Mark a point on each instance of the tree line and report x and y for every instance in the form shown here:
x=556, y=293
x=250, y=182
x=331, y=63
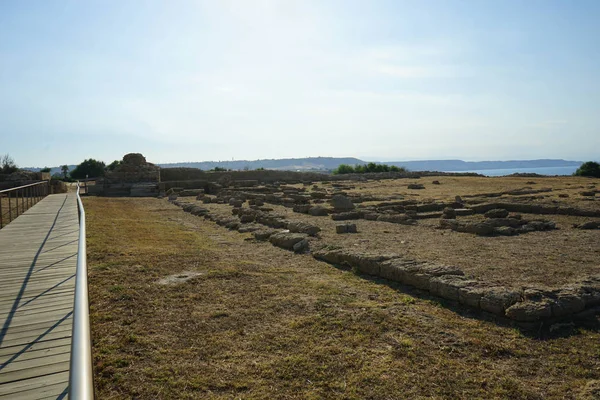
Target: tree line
x=366, y=168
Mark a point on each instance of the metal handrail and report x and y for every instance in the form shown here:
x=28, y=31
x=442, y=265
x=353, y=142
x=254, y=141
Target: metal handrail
x=22, y=187
x=81, y=380
x=26, y=195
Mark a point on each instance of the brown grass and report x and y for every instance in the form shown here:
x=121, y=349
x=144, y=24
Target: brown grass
x=261, y=322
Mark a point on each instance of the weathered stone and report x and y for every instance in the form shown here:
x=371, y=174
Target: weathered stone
x=287, y=240
x=341, y=203
x=264, y=234
x=246, y=228
x=346, y=216
x=589, y=225
x=435, y=182
x=471, y=295
x=303, y=227
x=532, y=226
x=402, y=219
x=301, y=246
x=530, y=310
x=196, y=210
x=416, y=186
x=246, y=218
x=496, y=213
x=511, y=222
x=371, y=216
x=567, y=303
x=498, y=299
x=341, y=228
x=318, y=211
x=345, y=228
x=505, y=231
x=233, y=225
x=449, y=213
x=302, y=208
x=447, y=286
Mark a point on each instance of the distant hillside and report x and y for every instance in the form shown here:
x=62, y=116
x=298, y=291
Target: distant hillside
x=459, y=165
x=288, y=164
x=330, y=163
x=325, y=164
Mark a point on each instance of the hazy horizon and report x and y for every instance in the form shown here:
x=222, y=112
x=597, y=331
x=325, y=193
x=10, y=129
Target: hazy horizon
x=268, y=79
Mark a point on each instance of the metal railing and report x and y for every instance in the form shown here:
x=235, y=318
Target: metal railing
x=15, y=201
x=81, y=380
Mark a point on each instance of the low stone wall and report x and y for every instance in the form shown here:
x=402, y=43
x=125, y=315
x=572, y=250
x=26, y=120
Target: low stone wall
x=535, y=209
x=521, y=305
x=527, y=306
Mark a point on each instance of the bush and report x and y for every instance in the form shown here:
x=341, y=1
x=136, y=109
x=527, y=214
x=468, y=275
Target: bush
x=88, y=168
x=590, y=168
x=45, y=169
x=367, y=168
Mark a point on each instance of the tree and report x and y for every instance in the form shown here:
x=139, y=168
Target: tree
x=113, y=165
x=88, y=168
x=65, y=170
x=46, y=169
x=8, y=164
x=590, y=168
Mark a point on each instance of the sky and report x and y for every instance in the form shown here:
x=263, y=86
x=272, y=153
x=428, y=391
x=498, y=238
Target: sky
x=223, y=79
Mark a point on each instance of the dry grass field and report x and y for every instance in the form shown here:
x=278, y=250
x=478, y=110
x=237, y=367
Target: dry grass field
x=257, y=321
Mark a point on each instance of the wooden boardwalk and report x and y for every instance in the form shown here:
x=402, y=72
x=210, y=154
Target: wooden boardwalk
x=38, y=257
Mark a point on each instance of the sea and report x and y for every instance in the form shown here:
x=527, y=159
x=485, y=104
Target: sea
x=541, y=170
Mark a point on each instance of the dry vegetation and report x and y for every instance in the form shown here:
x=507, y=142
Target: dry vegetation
x=262, y=322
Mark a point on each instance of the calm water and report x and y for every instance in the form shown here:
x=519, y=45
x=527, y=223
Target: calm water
x=541, y=171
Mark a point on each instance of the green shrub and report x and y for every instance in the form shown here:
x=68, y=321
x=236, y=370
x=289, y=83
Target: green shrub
x=590, y=168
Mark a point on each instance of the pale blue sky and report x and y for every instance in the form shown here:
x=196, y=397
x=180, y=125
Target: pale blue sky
x=215, y=80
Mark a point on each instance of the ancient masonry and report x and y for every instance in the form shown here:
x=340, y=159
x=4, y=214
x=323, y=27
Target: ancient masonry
x=526, y=306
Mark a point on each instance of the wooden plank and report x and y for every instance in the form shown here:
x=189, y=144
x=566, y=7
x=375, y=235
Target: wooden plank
x=32, y=384
x=42, y=392
x=12, y=350
x=34, y=354
x=38, y=256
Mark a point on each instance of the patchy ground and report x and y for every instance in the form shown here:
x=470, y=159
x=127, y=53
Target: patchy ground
x=262, y=322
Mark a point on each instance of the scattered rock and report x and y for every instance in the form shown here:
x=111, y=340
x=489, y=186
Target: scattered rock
x=264, y=234
x=416, y=186
x=289, y=240
x=302, y=227
x=402, y=219
x=589, y=225
x=496, y=213
x=346, y=215
x=318, y=211
x=345, y=228
x=435, y=182
x=341, y=203
x=449, y=213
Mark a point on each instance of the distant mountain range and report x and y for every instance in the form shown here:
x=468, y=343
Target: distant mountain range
x=330, y=163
